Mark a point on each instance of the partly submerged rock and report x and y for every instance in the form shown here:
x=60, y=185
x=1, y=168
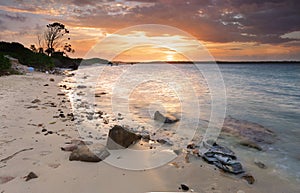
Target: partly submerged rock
x=164, y=119
x=250, y=134
x=260, y=165
x=120, y=138
x=92, y=153
x=250, y=144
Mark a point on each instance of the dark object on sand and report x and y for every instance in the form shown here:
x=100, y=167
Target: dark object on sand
x=249, y=178
x=223, y=158
x=165, y=119
x=184, y=187
x=90, y=153
x=260, y=165
x=30, y=176
x=120, y=138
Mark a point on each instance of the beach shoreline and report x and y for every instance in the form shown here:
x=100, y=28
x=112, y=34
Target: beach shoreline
x=31, y=120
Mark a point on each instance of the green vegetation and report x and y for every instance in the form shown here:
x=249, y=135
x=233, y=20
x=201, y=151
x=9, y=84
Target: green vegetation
x=4, y=63
x=25, y=56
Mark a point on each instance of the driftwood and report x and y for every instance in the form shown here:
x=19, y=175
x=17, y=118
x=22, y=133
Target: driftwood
x=13, y=155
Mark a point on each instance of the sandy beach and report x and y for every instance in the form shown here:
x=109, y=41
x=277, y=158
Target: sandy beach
x=32, y=132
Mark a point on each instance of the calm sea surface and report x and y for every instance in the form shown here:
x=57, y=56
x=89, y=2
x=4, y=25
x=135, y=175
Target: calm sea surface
x=267, y=94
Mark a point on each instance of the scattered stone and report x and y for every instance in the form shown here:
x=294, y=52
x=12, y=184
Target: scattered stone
x=61, y=94
x=105, y=120
x=30, y=176
x=46, y=84
x=260, y=165
x=81, y=86
x=165, y=141
x=119, y=138
x=44, y=130
x=50, y=132
x=62, y=115
x=36, y=101
x=184, y=187
x=89, y=153
x=165, y=119
x=52, y=79
x=32, y=107
x=54, y=165
x=191, y=146
x=249, y=178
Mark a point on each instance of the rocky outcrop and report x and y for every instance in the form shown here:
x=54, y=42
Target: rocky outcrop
x=120, y=138
x=249, y=134
x=164, y=119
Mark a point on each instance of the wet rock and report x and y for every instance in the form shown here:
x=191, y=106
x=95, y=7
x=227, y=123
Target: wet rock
x=260, y=165
x=93, y=153
x=249, y=178
x=184, y=187
x=81, y=86
x=30, y=176
x=164, y=119
x=119, y=138
x=165, y=141
x=36, y=101
x=253, y=134
x=250, y=144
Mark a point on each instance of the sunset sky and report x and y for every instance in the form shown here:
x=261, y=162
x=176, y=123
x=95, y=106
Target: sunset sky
x=229, y=29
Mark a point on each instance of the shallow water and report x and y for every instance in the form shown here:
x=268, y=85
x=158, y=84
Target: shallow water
x=267, y=94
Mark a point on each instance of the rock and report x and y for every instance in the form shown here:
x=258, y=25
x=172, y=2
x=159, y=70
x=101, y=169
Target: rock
x=249, y=178
x=184, y=187
x=93, y=153
x=52, y=79
x=256, y=134
x=44, y=130
x=260, y=165
x=165, y=119
x=166, y=141
x=30, y=176
x=70, y=147
x=119, y=138
x=46, y=84
x=36, y=101
x=250, y=144
x=81, y=86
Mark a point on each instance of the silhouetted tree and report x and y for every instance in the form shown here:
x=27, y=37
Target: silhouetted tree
x=54, y=37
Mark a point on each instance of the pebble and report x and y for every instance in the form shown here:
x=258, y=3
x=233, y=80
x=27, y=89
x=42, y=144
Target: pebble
x=184, y=187
x=30, y=176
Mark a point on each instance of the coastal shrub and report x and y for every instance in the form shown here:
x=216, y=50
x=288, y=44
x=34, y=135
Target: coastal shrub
x=26, y=56
x=4, y=63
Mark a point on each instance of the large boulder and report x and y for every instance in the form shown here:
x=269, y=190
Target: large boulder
x=91, y=153
x=120, y=138
x=164, y=119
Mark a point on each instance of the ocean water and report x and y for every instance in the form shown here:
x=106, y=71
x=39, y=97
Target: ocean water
x=267, y=94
